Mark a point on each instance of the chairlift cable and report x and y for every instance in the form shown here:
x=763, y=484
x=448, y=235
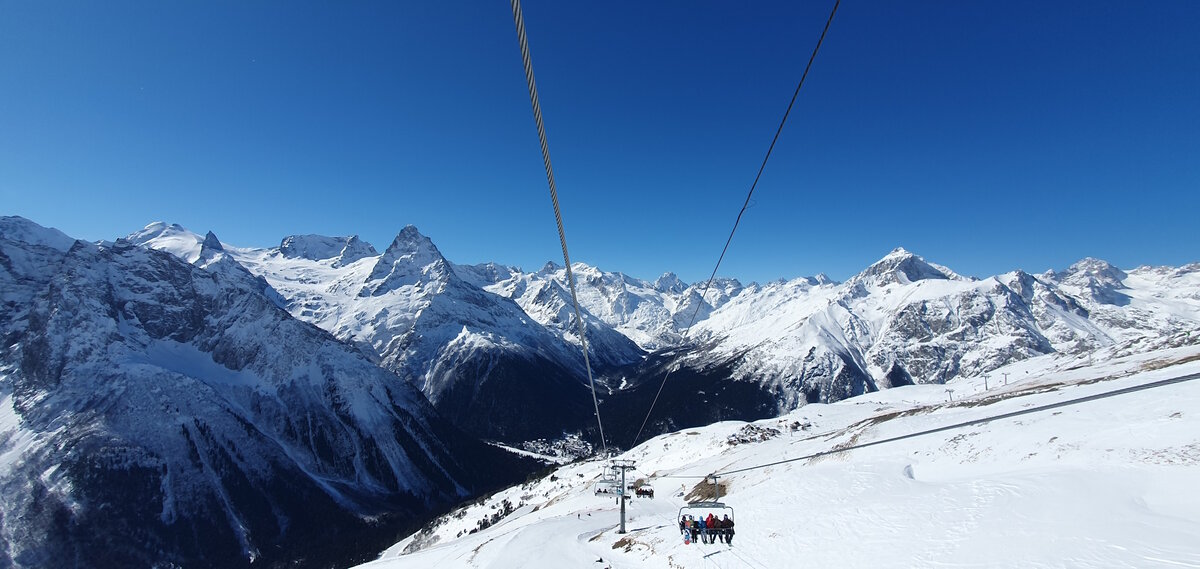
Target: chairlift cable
x=519, y=20
x=742, y=212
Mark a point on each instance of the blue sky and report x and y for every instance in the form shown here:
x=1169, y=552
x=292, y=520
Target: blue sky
x=985, y=136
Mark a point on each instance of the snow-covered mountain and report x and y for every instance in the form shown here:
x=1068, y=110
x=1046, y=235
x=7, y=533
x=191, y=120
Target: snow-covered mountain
x=481, y=360
x=159, y=413
x=1107, y=482
x=903, y=320
x=225, y=394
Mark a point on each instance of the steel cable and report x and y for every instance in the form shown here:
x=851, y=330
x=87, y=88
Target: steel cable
x=519, y=19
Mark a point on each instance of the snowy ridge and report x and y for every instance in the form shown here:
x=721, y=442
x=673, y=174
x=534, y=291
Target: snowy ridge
x=903, y=320
x=1105, y=483
x=20, y=229
x=343, y=250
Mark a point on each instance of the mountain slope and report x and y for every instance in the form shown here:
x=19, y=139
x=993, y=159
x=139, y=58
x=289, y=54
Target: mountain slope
x=1103, y=483
x=155, y=412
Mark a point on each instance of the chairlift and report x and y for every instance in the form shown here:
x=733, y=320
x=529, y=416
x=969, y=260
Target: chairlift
x=608, y=484
x=690, y=516
x=606, y=487
x=693, y=514
x=641, y=490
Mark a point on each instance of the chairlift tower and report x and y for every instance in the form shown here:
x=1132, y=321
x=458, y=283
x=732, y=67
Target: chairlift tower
x=623, y=466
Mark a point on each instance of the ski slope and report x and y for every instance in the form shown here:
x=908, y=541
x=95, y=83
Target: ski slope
x=1105, y=483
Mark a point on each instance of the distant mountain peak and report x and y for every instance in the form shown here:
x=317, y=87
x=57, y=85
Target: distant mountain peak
x=1098, y=269
x=901, y=266
x=410, y=241
x=343, y=250
x=158, y=229
x=211, y=243
x=411, y=258
x=172, y=238
x=670, y=282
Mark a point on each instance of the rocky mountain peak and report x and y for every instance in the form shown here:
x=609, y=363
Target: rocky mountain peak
x=670, y=282
x=1098, y=280
x=900, y=266
x=1100, y=270
x=211, y=244
x=411, y=258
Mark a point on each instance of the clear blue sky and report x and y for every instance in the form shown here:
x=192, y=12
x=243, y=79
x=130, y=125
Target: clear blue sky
x=986, y=136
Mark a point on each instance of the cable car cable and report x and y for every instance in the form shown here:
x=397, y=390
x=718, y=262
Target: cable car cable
x=745, y=205
x=519, y=20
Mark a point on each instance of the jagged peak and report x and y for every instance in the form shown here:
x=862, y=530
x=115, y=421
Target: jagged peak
x=550, y=267
x=670, y=282
x=411, y=258
x=409, y=241
x=211, y=243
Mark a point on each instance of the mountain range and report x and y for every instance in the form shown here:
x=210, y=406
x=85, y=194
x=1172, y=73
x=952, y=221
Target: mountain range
x=471, y=334
x=229, y=405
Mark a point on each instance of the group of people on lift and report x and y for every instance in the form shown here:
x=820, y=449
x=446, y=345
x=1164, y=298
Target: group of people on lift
x=639, y=491
x=643, y=491
x=708, y=529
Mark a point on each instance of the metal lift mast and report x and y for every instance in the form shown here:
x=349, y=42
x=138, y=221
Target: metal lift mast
x=623, y=466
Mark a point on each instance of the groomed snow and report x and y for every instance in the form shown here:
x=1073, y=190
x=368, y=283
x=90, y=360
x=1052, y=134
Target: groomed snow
x=1105, y=483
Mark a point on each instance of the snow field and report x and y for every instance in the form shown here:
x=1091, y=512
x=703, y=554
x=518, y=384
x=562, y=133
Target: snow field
x=1105, y=483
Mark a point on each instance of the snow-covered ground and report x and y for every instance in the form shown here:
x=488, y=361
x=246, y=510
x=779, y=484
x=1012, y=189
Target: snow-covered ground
x=1111, y=482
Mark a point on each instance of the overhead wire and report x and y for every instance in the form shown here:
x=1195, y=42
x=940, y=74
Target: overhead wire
x=742, y=212
x=527, y=60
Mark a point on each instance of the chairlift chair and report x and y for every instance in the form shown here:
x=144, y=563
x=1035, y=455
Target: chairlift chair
x=605, y=487
x=642, y=491
x=701, y=510
x=608, y=485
